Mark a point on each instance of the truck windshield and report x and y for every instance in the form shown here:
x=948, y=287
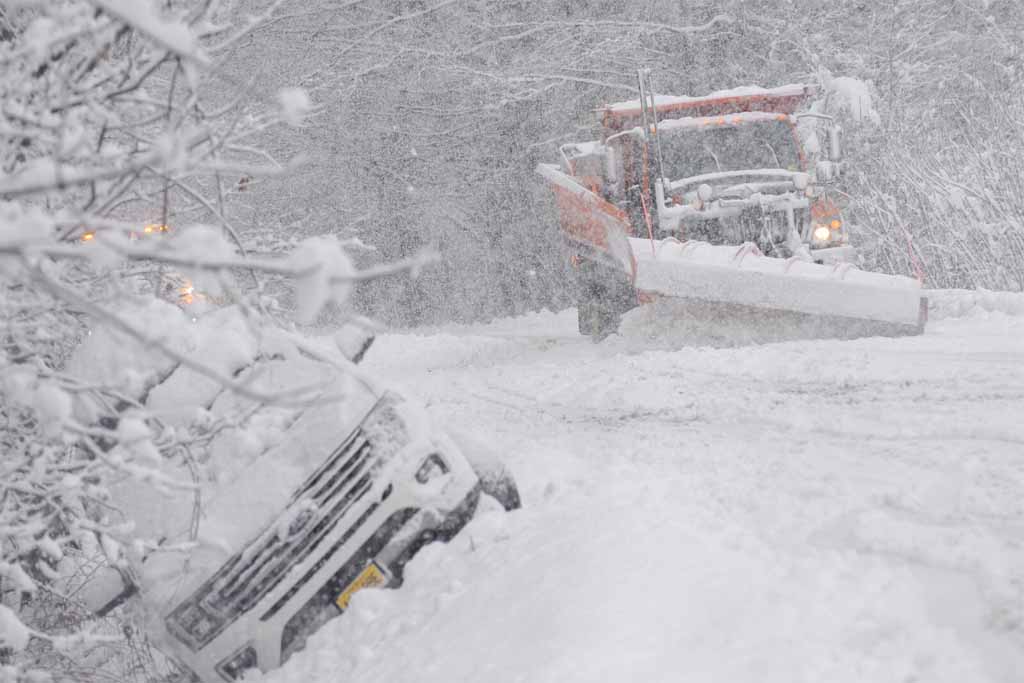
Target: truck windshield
x=714, y=149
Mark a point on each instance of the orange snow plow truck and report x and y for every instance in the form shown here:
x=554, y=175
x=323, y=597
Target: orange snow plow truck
x=726, y=207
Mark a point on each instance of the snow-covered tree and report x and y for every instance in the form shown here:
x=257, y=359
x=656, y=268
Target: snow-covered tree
x=440, y=112
x=435, y=116
x=123, y=143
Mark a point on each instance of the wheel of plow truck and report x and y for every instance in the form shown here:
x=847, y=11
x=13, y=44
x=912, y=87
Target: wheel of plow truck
x=597, y=320
x=604, y=295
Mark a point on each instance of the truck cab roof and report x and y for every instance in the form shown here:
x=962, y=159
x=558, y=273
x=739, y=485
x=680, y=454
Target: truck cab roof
x=786, y=99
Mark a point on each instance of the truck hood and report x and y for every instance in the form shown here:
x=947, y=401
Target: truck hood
x=744, y=183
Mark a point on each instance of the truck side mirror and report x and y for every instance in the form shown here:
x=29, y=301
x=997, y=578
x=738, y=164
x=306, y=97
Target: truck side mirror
x=826, y=171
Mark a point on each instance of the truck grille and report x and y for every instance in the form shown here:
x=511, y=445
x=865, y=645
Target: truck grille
x=755, y=225
x=766, y=229
x=314, y=510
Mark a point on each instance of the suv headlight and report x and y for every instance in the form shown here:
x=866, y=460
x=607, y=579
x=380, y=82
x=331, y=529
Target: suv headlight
x=194, y=625
x=384, y=427
x=232, y=668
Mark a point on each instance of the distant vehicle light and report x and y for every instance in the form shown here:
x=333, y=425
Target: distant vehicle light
x=822, y=234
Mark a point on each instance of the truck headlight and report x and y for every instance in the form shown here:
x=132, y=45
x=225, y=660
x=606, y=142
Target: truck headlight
x=384, y=427
x=822, y=233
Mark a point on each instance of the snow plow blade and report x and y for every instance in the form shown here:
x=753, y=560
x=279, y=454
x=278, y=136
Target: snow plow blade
x=735, y=288
x=797, y=298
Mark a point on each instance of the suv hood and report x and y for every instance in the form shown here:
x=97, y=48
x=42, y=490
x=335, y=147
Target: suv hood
x=242, y=458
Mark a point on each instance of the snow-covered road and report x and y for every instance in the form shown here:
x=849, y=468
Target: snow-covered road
x=809, y=511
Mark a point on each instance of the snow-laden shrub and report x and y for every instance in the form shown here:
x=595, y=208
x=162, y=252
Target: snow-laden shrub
x=121, y=149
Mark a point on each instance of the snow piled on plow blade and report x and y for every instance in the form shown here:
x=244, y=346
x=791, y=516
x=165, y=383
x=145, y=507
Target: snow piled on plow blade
x=774, y=298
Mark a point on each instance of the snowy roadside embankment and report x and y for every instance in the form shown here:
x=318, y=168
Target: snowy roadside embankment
x=804, y=511
x=961, y=303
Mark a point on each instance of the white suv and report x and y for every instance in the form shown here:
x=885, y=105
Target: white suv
x=353, y=486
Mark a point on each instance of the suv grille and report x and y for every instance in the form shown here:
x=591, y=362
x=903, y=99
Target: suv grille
x=260, y=567
x=312, y=513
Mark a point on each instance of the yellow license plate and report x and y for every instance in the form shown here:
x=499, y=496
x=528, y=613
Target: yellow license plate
x=368, y=578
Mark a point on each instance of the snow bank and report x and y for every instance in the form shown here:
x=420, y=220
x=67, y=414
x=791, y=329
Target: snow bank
x=533, y=325
x=961, y=303
x=799, y=512
x=13, y=634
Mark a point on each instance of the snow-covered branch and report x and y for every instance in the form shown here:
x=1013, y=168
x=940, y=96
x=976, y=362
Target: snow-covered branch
x=120, y=145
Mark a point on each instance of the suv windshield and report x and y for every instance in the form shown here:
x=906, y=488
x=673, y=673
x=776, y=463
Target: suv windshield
x=714, y=149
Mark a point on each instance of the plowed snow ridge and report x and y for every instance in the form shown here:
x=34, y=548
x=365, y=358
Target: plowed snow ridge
x=804, y=511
